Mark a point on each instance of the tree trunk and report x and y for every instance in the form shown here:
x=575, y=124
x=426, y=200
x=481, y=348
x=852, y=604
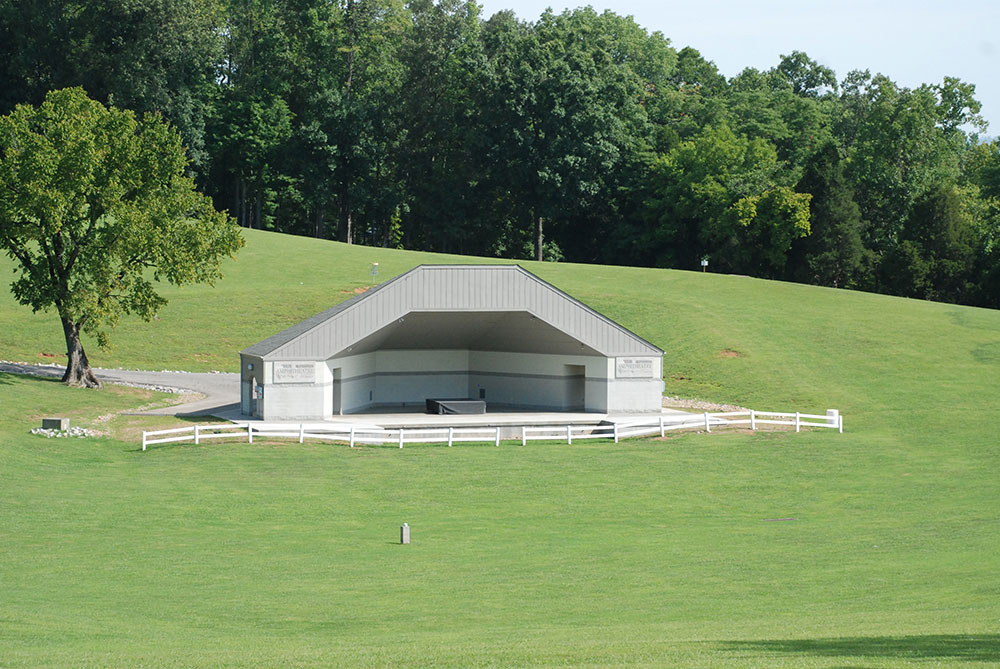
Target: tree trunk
x=539, y=238
x=346, y=233
x=318, y=224
x=78, y=371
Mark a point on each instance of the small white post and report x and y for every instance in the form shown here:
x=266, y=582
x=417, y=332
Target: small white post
x=302, y=433
x=400, y=437
x=616, y=432
x=662, y=431
x=249, y=433
x=797, y=421
x=498, y=436
x=842, y=423
x=451, y=434
x=524, y=436
x=753, y=419
x=195, y=435
x=352, y=436
x=708, y=428
x=404, y=534
x=569, y=435
x=144, y=440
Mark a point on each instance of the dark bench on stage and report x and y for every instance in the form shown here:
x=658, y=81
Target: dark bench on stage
x=456, y=406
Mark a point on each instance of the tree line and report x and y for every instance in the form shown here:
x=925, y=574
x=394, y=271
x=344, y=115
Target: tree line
x=579, y=136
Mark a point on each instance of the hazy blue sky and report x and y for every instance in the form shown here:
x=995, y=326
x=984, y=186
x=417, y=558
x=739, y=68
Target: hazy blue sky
x=910, y=42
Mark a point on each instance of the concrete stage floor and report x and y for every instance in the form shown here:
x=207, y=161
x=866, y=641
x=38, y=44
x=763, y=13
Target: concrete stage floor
x=396, y=418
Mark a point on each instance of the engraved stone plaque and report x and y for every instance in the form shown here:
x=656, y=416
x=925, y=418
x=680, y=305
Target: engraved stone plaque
x=294, y=372
x=635, y=368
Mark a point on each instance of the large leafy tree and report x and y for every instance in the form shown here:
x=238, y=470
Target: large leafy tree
x=560, y=109
x=833, y=253
x=94, y=207
x=146, y=55
x=723, y=195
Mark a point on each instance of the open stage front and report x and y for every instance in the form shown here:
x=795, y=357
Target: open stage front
x=396, y=418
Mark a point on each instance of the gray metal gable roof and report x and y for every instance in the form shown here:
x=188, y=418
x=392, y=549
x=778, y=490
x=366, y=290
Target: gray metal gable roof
x=452, y=288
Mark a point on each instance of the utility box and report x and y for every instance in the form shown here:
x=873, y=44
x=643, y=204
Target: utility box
x=55, y=423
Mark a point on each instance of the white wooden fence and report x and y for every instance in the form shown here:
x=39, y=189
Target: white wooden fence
x=353, y=435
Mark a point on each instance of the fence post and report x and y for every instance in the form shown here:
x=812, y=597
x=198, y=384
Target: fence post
x=841, y=423
x=352, y=436
x=451, y=434
x=302, y=433
x=616, y=432
x=249, y=433
x=524, y=436
x=400, y=437
x=569, y=435
x=708, y=428
x=498, y=435
x=662, y=431
x=196, y=435
x=143, y=440
x=796, y=421
x=753, y=419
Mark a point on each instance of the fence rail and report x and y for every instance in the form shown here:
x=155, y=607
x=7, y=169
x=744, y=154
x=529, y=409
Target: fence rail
x=354, y=435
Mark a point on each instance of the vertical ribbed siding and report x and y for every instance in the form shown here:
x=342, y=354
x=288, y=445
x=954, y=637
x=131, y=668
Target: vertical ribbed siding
x=462, y=288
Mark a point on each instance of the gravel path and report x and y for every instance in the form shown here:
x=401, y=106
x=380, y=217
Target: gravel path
x=218, y=392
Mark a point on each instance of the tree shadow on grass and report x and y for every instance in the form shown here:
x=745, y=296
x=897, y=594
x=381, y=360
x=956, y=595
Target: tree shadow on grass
x=958, y=647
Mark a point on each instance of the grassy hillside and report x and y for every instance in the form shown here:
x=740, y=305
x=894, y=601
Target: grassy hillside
x=647, y=553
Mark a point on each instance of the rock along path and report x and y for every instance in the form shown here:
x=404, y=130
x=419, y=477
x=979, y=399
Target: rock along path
x=221, y=391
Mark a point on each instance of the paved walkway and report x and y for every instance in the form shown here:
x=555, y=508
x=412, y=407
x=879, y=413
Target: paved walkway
x=220, y=393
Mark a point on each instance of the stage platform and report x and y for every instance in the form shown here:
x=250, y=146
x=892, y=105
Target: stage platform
x=393, y=418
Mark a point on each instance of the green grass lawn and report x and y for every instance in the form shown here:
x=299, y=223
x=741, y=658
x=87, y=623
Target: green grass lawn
x=646, y=553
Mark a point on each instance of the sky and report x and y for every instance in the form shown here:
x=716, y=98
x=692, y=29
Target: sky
x=912, y=43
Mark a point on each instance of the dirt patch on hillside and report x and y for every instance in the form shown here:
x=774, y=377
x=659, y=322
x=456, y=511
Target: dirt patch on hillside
x=730, y=353
x=356, y=291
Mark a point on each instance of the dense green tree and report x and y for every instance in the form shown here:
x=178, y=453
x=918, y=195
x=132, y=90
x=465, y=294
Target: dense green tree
x=441, y=151
x=94, y=203
x=559, y=109
x=935, y=255
x=722, y=195
x=900, y=144
x=833, y=253
x=145, y=55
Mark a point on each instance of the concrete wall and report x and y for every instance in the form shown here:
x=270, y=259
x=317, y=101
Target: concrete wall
x=355, y=382
x=535, y=381
x=410, y=377
x=294, y=391
x=628, y=394
x=311, y=390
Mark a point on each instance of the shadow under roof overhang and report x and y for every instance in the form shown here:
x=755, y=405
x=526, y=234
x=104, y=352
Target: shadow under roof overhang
x=504, y=331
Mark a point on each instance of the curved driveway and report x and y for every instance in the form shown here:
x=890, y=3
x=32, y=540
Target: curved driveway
x=221, y=391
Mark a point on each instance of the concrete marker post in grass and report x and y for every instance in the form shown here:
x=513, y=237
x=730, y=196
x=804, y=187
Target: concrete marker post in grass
x=404, y=534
